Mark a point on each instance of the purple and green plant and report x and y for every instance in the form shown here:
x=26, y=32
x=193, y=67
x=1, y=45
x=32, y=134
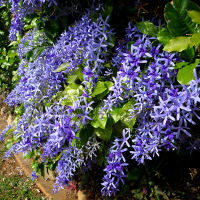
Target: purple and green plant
x=83, y=92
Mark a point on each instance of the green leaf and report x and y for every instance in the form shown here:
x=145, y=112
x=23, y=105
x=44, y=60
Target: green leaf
x=128, y=120
x=14, y=43
x=41, y=167
x=72, y=78
x=19, y=110
x=99, y=121
x=100, y=88
x=195, y=40
x=116, y=114
x=62, y=67
x=85, y=134
x=177, y=19
x=35, y=166
x=185, y=75
x=147, y=28
x=108, y=65
x=12, y=54
x=177, y=44
x=108, y=84
x=164, y=36
x=105, y=134
x=70, y=93
x=37, y=51
x=108, y=8
x=180, y=65
x=29, y=55
x=194, y=15
x=80, y=72
x=2, y=61
x=188, y=54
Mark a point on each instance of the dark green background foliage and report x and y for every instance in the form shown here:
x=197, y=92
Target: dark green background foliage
x=8, y=56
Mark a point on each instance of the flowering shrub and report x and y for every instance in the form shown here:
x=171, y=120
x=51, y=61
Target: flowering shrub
x=78, y=96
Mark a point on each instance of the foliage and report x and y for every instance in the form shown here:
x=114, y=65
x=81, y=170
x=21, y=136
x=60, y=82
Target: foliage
x=84, y=97
x=182, y=33
x=8, y=56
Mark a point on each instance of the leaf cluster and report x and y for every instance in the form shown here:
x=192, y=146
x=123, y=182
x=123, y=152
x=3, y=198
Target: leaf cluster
x=181, y=34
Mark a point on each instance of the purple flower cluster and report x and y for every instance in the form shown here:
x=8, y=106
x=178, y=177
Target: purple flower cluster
x=83, y=44
x=71, y=160
x=116, y=165
x=19, y=10
x=51, y=126
x=163, y=108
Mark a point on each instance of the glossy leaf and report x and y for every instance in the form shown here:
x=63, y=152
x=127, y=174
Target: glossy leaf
x=105, y=134
x=72, y=78
x=177, y=19
x=195, y=16
x=70, y=93
x=99, y=121
x=180, y=65
x=147, y=28
x=126, y=119
x=188, y=54
x=177, y=44
x=164, y=36
x=195, y=39
x=116, y=114
x=100, y=88
x=185, y=75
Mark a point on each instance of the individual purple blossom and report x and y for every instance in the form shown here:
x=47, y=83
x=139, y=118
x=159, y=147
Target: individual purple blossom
x=34, y=176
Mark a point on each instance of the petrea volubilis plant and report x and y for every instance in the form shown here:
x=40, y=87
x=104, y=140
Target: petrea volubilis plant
x=80, y=101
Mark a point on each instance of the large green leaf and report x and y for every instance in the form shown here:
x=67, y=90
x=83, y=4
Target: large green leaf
x=188, y=54
x=178, y=21
x=164, y=36
x=72, y=78
x=105, y=134
x=116, y=114
x=102, y=88
x=195, y=39
x=147, y=28
x=99, y=121
x=177, y=44
x=180, y=65
x=185, y=75
x=195, y=16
